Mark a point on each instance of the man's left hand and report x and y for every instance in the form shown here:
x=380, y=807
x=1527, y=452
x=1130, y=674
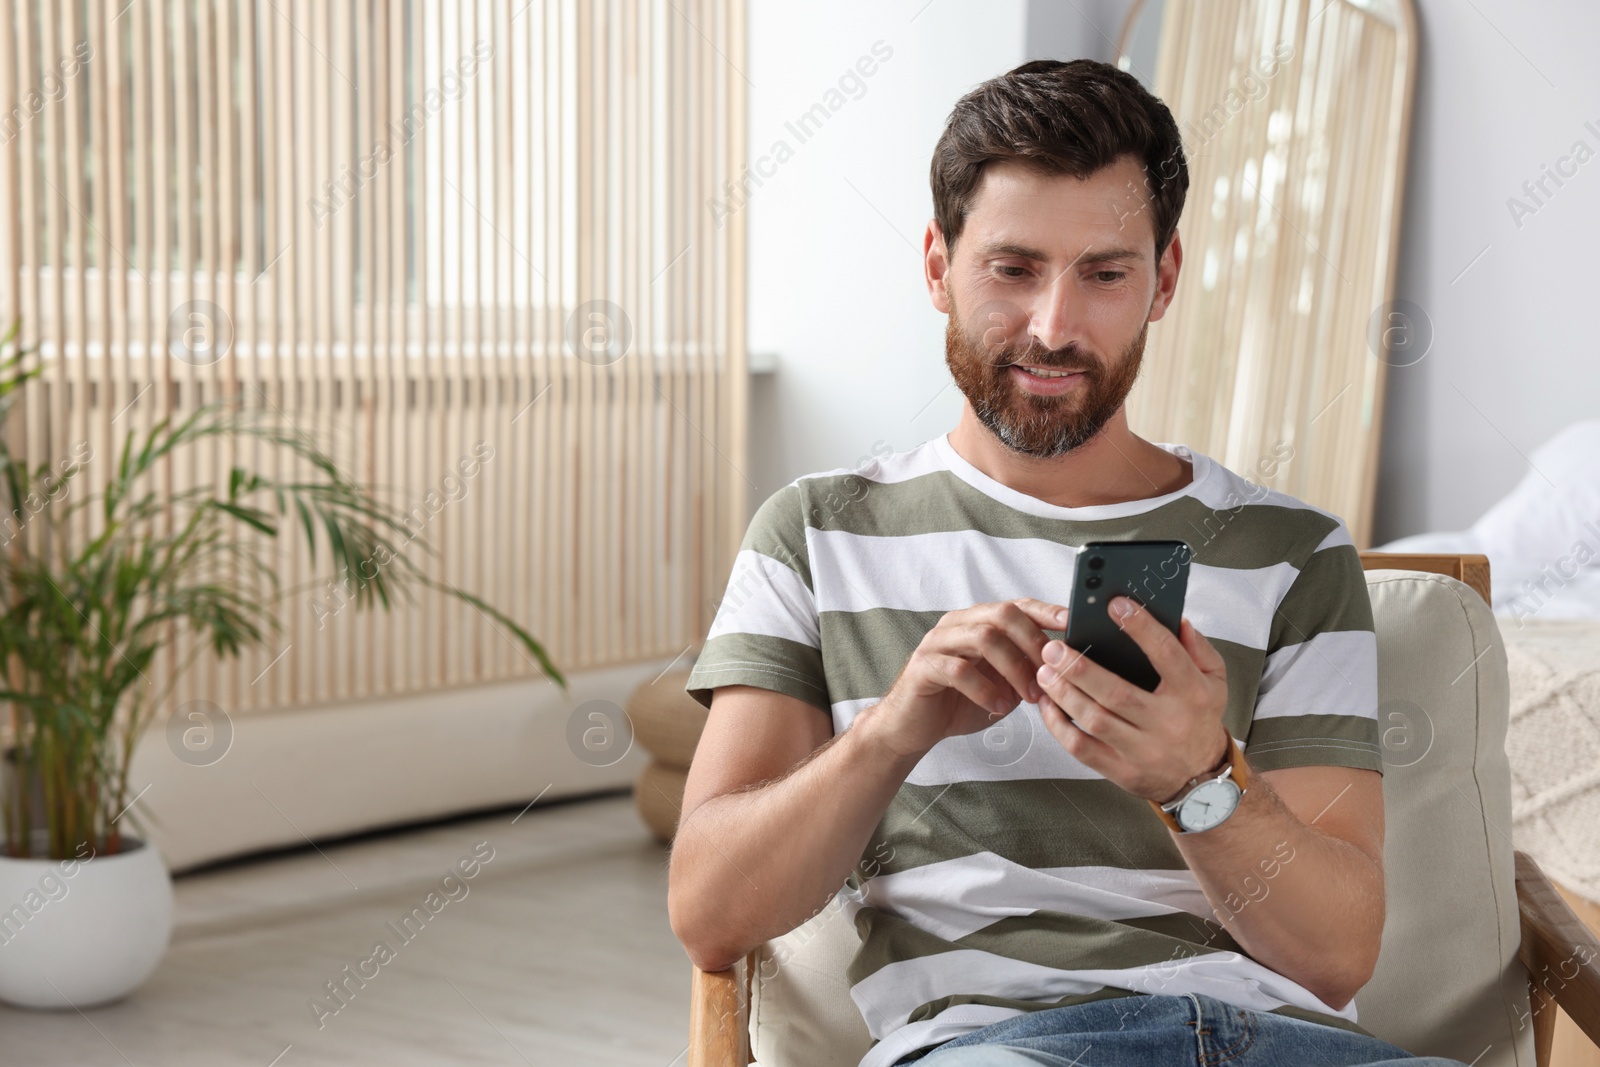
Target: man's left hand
x=1149, y=743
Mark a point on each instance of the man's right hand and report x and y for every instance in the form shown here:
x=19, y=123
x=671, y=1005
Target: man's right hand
x=970, y=670
x=769, y=767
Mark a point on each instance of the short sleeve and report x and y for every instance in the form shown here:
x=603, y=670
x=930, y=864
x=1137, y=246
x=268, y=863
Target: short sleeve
x=1318, y=698
x=766, y=631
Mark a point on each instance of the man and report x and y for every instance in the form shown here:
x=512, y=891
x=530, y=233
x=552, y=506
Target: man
x=891, y=704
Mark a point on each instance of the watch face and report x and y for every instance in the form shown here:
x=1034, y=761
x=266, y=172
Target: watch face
x=1209, y=804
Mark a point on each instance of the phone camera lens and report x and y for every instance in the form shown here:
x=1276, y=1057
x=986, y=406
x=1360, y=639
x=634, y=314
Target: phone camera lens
x=1096, y=562
x=1093, y=581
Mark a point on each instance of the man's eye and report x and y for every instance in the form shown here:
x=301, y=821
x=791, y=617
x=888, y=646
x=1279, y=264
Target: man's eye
x=1020, y=271
x=1114, y=275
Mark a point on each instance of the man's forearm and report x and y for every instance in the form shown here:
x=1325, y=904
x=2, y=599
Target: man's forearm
x=753, y=864
x=1304, y=903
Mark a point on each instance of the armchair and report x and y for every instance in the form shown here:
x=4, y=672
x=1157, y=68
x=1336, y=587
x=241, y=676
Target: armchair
x=1479, y=947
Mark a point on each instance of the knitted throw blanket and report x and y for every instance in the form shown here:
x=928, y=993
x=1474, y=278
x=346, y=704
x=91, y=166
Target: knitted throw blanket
x=1554, y=746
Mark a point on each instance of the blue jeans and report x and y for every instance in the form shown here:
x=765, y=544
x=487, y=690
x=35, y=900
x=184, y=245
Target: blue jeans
x=1162, y=1030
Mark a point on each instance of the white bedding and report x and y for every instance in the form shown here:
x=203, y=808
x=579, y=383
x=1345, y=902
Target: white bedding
x=1542, y=538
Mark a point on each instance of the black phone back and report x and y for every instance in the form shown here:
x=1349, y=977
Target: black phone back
x=1155, y=573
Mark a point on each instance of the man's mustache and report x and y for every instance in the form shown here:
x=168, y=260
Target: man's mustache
x=1047, y=360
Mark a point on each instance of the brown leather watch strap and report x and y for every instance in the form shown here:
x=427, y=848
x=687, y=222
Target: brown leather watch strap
x=1240, y=776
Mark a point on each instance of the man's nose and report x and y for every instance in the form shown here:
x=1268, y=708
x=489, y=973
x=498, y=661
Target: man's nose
x=1056, y=318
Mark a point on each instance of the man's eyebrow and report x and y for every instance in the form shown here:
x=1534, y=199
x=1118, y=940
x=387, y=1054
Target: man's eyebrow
x=1024, y=252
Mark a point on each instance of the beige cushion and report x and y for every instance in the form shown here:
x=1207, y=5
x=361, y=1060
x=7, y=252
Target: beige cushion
x=800, y=1007
x=1448, y=983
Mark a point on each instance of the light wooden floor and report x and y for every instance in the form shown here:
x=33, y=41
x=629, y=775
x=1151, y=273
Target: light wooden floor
x=559, y=953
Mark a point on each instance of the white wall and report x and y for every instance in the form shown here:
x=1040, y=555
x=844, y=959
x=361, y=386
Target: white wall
x=835, y=273
x=1503, y=89
x=835, y=234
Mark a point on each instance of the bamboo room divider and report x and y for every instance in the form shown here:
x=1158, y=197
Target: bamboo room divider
x=1295, y=117
x=425, y=233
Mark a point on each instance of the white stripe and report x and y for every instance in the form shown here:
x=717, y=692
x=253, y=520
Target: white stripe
x=955, y=897
x=845, y=712
x=1334, y=673
x=935, y=571
x=1224, y=494
x=1339, y=535
x=1230, y=489
x=953, y=570
x=766, y=597
x=895, y=467
x=1205, y=469
x=889, y=995
x=953, y=1022
x=1016, y=747
x=1009, y=750
x=1237, y=603
x=904, y=466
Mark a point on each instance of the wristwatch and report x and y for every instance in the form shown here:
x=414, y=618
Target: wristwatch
x=1207, y=800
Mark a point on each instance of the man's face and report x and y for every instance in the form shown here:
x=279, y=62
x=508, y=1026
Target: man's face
x=1051, y=292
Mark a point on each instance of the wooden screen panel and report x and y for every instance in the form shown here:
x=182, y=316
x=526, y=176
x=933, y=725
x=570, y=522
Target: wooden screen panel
x=424, y=227
x=1295, y=117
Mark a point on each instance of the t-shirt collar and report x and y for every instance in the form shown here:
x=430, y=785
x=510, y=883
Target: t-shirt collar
x=1034, y=506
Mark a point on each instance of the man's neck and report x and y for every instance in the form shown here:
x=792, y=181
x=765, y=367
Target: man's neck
x=1113, y=467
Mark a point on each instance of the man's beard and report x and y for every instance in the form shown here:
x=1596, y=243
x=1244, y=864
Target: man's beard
x=1028, y=423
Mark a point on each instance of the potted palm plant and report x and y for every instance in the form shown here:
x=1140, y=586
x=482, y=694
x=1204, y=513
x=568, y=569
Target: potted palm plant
x=85, y=906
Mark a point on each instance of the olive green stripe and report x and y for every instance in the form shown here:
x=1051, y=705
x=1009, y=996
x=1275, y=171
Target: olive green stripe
x=778, y=531
x=1034, y=822
x=1058, y=940
x=1258, y=535
x=1330, y=593
x=761, y=660
x=1285, y=730
x=1309, y=1016
x=1283, y=741
x=1208, y=933
x=865, y=650
x=1083, y=822
x=1075, y=942
x=934, y=1007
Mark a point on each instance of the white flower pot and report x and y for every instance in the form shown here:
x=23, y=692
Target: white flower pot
x=80, y=932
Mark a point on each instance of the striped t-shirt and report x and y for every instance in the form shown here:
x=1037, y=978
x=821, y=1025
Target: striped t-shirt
x=1006, y=876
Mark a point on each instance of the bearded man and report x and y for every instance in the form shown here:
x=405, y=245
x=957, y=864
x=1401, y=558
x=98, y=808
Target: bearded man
x=895, y=717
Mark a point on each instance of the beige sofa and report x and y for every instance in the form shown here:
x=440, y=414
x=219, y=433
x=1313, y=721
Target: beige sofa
x=294, y=775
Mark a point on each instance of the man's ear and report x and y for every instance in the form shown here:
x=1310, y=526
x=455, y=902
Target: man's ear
x=936, y=266
x=1167, y=277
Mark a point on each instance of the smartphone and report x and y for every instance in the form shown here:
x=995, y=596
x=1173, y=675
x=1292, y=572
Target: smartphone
x=1154, y=573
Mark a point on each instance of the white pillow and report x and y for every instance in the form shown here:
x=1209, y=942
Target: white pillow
x=1548, y=524
x=1556, y=505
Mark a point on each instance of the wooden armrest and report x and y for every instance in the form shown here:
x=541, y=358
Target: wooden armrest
x=1560, y=953
x=1469, y=567
x=719, y=1034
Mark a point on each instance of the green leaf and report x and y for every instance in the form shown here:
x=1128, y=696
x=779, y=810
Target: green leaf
x=527, y=640
x=253, y=517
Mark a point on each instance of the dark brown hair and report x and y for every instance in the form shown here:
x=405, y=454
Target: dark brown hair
x=1060, y=117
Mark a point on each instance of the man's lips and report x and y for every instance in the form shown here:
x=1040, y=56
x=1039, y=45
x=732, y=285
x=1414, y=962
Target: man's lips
x=1051, y=383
